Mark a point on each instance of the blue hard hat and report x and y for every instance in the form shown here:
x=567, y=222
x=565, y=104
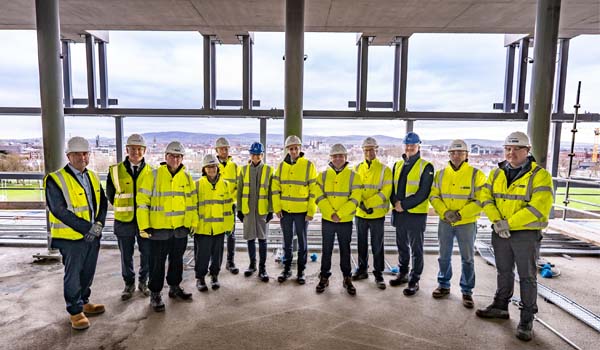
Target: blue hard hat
x=256, y=148
x=411, y=138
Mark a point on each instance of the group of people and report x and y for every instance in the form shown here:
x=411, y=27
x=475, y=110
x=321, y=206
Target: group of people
x=160, y=207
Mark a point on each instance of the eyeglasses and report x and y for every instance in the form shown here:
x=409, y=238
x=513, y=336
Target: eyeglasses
x=176, y=156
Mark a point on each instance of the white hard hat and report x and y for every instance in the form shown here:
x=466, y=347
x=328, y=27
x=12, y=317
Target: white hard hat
x=209, y=160
x=458, y=145
x=175, y=147
x=136, y=140
x=517, y=138
x=221, y=142
x=370, y=142
x=338, y=148
x=292, y=140
x=77, y=144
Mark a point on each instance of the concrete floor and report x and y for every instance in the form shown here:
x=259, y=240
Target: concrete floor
x=248, y=314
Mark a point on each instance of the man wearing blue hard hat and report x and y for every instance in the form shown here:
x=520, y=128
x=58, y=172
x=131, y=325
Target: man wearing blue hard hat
x=255, y=208
x=412, y=179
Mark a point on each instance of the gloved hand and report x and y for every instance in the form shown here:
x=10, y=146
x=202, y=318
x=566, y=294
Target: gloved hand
x=240, y=216
x=452, y=216
x=501, y=228
x=504, y=234
x=269, y=217
x=145, y=234
x=94, y=232
x=364, y=208
x=192, y=232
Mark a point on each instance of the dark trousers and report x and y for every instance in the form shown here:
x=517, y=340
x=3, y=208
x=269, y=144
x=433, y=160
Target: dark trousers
x=376, y=227
x=231, y=244
x=520, y=249
x=208, y=249
x=262, y=251
x=79, y=258
x=173, y=248
x=344, y=237
x=410, y=234
x=290, y=223
x=126, y=246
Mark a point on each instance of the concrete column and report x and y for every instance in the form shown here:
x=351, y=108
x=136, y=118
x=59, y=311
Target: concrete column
x=90, y=55
x=263, y=136
x=294, y=67
x=559, y=102
x=66, y=69
x=119, y=137
x=545, y=40
x=51, y=89
x=207, y=73
x=103, y=74
x=410, y=125
x=508, y=77
x=246, y=72
x=522, y=74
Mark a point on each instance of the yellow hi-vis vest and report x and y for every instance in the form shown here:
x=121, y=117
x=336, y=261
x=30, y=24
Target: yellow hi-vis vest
x=458, y=190
x=338, y=193
x=412, y=183
x=377, y=188
x=230, y=173
x=215, y=215
x=77, y=202
x=526, y=203
x=263, y=189
x=293, y=187
x=124, y=190
x=166, y=201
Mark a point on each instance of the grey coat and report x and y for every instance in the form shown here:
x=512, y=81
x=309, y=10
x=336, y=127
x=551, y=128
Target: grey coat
x=255, y=225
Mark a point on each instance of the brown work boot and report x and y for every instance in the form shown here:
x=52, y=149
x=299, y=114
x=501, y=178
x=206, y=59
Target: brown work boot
x=440, y=292
x=79, y=321
x=93, y=309
x=467, y=301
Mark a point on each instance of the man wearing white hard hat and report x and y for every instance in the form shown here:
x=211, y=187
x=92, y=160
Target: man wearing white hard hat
x=121, y=189
x=215, y=219
x=338, y=192
x=294, y=203
x=166, y=213
x=229, y=170
x=456, y=198
x=77, y=212
x=517, y=198
x=370, y=215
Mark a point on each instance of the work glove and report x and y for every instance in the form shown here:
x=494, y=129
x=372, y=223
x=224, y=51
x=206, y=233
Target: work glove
x=364, y=208
x=145, y=234
x=94, y=232
x=452, y=216
x=501, y=228
x=504, y=234
x=240, y=216
x=192, y=232
x=269, y=217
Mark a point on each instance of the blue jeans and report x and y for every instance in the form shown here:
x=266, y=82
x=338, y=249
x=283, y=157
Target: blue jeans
x=465, y=235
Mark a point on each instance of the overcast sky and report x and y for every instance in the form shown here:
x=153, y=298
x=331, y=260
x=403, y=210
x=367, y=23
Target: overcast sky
x=446, y=72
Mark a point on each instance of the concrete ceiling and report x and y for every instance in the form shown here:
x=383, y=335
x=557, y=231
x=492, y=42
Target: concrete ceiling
x=383, y=19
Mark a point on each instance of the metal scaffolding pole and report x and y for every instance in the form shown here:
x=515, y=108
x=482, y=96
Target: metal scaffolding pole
x=559, y=101
x=508, y=77
x=67, y=76
x=544, y=49
x=213, y=73
x=90, y=56
x=246, y=72
x=522, y=74
x=294, y=67
x=103, y=74
x=403, y=74
x=364, y=71
x=207, y=72
x=119, y=137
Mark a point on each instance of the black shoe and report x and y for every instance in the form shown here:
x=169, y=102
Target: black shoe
x=380, y=282
x=178, y=292
x=360, y=275
x=262, y=274
x=412, y=289
x=250, y=270
x=300, y=278
x=156, y=302
x=467, y=301
x=143, y=288
x=323, y=283
x=492, y=311
x=285, y=274
x=349, y=286
x=214, y=282
x=525, y=330
x=230, y=266
x=440, y=292
x=401, y=278
x=127, y=293
x=201, y=285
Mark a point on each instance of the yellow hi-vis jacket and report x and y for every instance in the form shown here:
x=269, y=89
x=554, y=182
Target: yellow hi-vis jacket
x=77, y=202
x=293, y=187
x=124, y=203
x=338, y=193
x=412, y=183
x=525, y=204
x=167, y=201
x=458, y=190
x=215, y=215
x=377, y=188
x=230, y=173
x=264, y=189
